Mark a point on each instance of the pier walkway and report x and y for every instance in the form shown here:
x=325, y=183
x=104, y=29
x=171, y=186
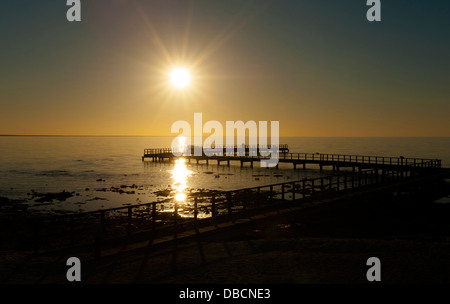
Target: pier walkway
x=335, y=161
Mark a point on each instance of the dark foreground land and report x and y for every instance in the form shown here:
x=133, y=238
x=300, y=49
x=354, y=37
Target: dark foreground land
x=327, y=243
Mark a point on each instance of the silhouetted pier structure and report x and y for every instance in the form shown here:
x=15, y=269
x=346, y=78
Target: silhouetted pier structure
x=105, y=231
x=335, y=161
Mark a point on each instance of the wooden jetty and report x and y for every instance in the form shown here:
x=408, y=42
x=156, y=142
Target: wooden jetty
x=110, y=228
x=335, y=161
x=107, y=229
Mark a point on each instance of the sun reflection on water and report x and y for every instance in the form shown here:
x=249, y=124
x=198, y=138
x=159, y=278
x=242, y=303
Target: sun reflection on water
x=180, y=175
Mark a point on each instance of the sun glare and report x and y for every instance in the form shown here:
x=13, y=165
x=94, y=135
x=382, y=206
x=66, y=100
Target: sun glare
x=180, y=176
x=180, y=78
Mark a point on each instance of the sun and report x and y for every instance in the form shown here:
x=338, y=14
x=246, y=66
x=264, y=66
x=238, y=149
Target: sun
x=180, y=78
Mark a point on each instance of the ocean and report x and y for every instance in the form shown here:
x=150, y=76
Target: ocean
x=107, y=172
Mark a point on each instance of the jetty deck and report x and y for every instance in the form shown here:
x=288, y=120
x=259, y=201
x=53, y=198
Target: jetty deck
x=335, y=161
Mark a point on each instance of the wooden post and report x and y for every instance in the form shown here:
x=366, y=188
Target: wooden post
x=213, y=210
x=72, y=228
x=282, y=191
x=130, y=214
x=353, y=177
x=258, y=198
x=196, y=215
x=154, y=217
x=304, y=188
x=175, y=221
x=312, y=187
x=36, y=236
x=213, y=206
x=321, y=185
x=293, y=191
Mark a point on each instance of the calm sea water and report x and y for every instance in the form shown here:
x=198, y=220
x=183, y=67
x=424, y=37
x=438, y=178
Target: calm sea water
x=95, y=169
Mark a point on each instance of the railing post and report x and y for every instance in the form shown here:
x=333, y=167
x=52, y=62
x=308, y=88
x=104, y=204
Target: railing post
x=353, y=177
x=196, y=214
x=72, y=228
x=293, y=191
x=154, y=216
x=229, y=203
x=36, y=236
x=213, y=206
x=130, y=215
x=258, y=198
x=175, y=220
x=304, y=188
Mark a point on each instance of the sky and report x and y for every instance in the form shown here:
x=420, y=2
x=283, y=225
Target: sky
x=316, y=66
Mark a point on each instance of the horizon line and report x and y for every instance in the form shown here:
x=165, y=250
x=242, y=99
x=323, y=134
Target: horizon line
x=305, y=136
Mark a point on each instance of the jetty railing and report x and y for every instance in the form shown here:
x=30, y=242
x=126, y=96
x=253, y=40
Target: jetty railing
x=283, y=148
x=320, y=158
x=107, y=227
x=364, y=159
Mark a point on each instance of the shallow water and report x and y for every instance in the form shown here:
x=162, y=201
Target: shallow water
x=106, y=172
